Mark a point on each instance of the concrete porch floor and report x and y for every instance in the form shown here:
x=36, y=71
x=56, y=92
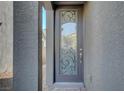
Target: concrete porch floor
x=67, y=86
x=62, y=86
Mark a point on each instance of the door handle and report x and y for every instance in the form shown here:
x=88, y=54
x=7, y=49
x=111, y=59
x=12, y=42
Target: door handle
x=80, y=57
x=81, y=53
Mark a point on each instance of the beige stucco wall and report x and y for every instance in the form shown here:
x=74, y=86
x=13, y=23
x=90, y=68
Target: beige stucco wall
x=6, y=44
x=104, y=45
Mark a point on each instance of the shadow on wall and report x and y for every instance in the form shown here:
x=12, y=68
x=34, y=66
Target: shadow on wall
x=6, y=77
x=6, y=84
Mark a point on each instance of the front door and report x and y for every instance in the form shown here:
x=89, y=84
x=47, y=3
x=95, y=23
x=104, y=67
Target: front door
x=68, y=44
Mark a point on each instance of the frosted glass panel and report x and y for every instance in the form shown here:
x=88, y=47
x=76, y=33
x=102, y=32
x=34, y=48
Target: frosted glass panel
x=68, y=45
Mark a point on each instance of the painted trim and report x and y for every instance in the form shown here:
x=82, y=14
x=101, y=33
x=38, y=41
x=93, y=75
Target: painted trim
x=49, y=45
x=39, y=47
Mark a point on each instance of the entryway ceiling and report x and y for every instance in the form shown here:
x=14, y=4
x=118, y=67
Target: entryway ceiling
x=68, y=2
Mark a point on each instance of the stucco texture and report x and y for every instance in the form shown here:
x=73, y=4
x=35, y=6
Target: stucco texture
x=26, y=46
x=6, y=45
x=104, y=45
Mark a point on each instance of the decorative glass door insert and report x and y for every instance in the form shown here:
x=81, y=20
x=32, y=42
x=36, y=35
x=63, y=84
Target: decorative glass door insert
x=68, y=66
x=68, y=43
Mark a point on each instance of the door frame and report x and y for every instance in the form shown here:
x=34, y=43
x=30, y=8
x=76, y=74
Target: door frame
x=50, y=48
x=78, y=8
x=39, y=47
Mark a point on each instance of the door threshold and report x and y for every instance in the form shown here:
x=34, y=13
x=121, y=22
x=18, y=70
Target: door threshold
x=69, y=86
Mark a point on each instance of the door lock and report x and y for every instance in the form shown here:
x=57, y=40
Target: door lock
x=81, y=49
x=81, y=54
